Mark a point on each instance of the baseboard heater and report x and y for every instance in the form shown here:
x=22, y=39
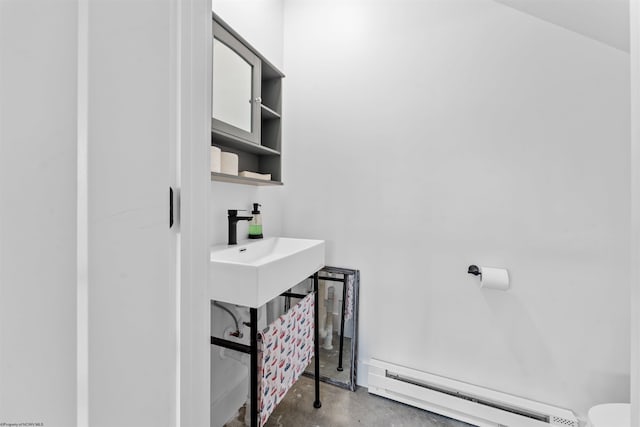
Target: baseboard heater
x=461, y=401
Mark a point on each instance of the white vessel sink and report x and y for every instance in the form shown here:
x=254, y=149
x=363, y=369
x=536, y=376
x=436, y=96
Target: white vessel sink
x=254, y=272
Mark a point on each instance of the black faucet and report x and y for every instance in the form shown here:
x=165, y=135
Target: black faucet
x=233, y=220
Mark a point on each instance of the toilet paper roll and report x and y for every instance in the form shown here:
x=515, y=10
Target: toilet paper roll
x=215, y=159
x=229, y=163
x=494, y=278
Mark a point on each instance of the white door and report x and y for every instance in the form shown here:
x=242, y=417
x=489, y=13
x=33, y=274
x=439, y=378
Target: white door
x=90, y=303
x=132, y=262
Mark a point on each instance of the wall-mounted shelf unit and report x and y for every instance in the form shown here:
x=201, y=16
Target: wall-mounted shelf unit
x=223, y=177
x=256, y=137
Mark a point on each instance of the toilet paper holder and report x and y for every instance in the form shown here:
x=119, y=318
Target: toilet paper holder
x=473, y=269
x=491, y=277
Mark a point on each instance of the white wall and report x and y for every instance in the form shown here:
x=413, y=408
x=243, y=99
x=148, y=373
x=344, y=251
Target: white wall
x=260, y=23
x=606, y=21
x=38, y=62
x=224, y=196
x=422, y=137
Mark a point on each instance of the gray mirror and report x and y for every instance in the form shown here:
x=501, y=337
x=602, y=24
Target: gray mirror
x=338, y=326
x=232, y=80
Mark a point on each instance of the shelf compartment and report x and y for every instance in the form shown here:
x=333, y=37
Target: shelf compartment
x=268, y=113
x=271, y=94
x=271, y=134
x=256, y=162
x=224, y=140
x=269, y=71
x=223, y=177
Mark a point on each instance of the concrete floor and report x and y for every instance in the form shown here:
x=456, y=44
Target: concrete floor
x=329, y=361
x=343, y=408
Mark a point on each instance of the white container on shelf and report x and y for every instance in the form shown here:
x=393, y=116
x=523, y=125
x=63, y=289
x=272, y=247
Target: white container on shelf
x=216, y=159
x=229, y=163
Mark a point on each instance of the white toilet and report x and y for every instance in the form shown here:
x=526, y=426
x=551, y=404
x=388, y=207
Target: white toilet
x=610, y=415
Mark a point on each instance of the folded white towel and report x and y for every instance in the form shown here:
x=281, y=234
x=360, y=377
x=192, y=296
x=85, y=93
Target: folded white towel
x=263, y=176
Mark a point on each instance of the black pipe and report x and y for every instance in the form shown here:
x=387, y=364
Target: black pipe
x=316, y=342
x=331, y=279
x=344, y=305
x=253, y=314
x=292, y=295
x=242, y=348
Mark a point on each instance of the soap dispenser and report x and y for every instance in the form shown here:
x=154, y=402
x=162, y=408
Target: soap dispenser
x=255, y=226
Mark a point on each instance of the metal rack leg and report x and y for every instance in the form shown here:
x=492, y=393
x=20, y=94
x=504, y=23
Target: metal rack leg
x=316, y=342
x=344, y=299
x=287, y=301
x=253, y=313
